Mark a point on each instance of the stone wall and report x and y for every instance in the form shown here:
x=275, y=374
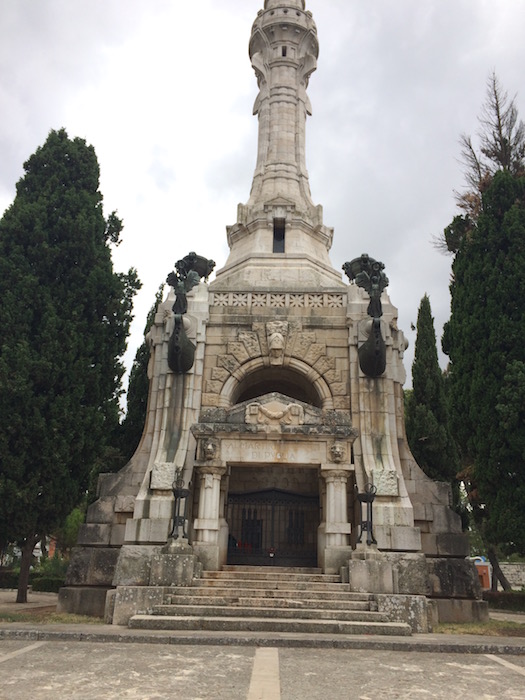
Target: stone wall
x=515, y=574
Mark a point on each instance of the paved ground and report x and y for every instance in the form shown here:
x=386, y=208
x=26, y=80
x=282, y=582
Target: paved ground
x=88, y=662
x=92, y=671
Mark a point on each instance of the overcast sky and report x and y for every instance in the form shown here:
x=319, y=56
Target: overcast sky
x=164, y=92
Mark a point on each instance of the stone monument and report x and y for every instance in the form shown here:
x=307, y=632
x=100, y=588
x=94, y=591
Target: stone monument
x=275, y=399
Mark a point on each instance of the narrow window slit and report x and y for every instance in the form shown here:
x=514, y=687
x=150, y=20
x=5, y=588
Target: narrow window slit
x=278, y=235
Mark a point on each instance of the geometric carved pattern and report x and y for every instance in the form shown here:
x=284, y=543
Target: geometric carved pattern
x=279, y=300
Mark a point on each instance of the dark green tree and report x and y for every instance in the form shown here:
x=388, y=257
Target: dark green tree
x=64, y=320
x=137, y=397
x=486, y=332
x=485, y=341
x=427, y=423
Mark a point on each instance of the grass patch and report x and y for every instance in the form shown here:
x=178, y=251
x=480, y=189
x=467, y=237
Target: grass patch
x=49, y=617
x=492, y=628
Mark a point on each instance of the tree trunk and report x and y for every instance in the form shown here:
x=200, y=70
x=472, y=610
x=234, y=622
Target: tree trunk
x=25, y=565
x=497, y=573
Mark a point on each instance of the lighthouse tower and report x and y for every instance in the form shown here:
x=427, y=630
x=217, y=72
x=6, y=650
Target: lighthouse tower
x=280, y=221
x=275, y=409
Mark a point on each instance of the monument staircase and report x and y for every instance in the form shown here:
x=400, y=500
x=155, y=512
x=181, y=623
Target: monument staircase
x=269, y=599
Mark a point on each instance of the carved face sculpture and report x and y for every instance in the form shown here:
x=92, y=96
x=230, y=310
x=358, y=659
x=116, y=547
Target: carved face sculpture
x=210, y=449
x=337, y=452
x=276, y=344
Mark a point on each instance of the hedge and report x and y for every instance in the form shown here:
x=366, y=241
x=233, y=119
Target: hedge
x=506, y=600
x=50, y=584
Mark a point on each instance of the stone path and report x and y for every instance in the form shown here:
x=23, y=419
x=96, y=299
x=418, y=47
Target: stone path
x=56, y=670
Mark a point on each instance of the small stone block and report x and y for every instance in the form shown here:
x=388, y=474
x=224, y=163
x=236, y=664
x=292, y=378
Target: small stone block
x=135, y=600
x=162, y=475
x=370, y=576
x=168, y=569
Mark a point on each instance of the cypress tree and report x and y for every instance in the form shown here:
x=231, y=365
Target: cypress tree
x=485, y=337
x=64, y=320
x=426, y=411
x=485, y=340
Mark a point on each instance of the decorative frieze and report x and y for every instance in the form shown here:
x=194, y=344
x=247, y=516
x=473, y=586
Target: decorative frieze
x=274, y=300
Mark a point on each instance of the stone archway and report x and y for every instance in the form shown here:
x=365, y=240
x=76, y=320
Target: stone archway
x=256, y=378
x=257, y=437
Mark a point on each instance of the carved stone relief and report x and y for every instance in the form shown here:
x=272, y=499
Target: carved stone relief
x=274, y=414
x=277, y=334
x=337, y=452
x=275, y=343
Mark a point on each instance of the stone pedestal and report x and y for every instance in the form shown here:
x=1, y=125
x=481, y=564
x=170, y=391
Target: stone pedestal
x=369, y=571
x=176, y=565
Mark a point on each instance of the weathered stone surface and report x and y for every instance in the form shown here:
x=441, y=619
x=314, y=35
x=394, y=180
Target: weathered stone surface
x=133, y=600
x=410, y=573
x=457, y=610
x=124, y=504
x=134, y=565
x=94, y=534
x=411, y=609
x=445, y=520
x=79, y=566
x=101, y=511
x=117, y=535
x=82, y=601
x=453, y=578
x=370, y=576
x=452, y=544
x=171, y=569
x=162, y=475
x=102, y=567
x=398, y=538
x=335, y=557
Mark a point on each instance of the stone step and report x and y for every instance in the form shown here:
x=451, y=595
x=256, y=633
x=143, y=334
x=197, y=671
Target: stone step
x=271, y=584
x=258, y=624
x=263, y=592
x=269, y=576
x=274, y=613
x=241, y=598
x=276, y=569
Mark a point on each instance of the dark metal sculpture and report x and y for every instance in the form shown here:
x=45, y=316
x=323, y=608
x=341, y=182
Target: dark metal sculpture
x=369, y=274
x=366, y=525
x=189, y=271
x=179, y=509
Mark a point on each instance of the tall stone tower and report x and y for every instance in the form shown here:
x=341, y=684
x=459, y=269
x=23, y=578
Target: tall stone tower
x=275, y=404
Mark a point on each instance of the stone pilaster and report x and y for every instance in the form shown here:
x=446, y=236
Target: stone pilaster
x=207, y=525
x=335, y=530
